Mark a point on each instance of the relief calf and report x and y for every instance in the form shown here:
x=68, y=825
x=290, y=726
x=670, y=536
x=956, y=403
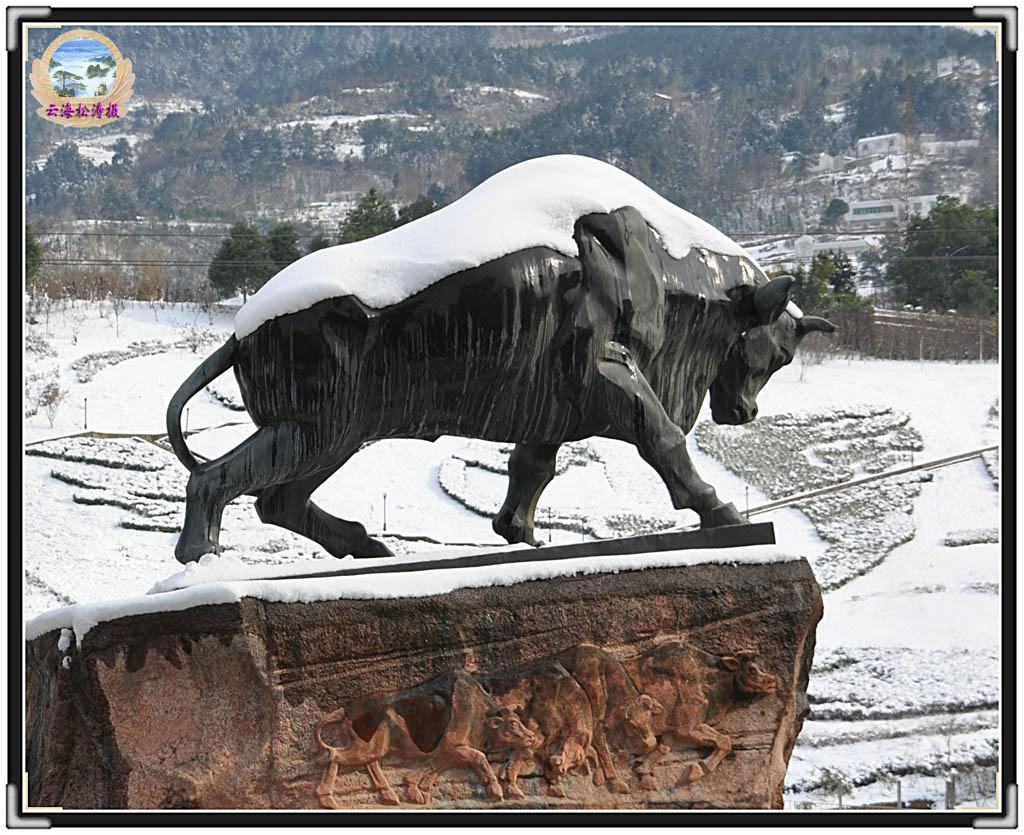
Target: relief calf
x=556, y=708
x=618, y=707
x=697, y=690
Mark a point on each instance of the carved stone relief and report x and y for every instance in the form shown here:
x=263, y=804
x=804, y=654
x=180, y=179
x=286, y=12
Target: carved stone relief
x=566, y=713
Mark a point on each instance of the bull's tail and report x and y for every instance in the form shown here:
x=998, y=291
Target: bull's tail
x=325, y=749
x=212, y=367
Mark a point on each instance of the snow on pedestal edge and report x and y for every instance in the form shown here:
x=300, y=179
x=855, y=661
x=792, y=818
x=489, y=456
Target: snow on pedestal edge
x=82, y=617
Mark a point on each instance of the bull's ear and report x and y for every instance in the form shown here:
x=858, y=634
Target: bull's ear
x=771, y=299
x=652, y=704
x=806, y=324
x=763, y=305
x=730, y=663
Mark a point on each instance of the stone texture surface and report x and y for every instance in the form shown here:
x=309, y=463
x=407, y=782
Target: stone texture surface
x=216, y=707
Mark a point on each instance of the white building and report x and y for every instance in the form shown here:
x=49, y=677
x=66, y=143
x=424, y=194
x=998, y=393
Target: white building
x=886, y=143
x=874, y=212
x=825, y=163
x=805, y=246
x=922, y=204
x=853, y=246
x=946, y=149
x=944, y=66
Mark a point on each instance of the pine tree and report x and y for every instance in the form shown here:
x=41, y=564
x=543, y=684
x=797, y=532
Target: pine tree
x=283, y=246
x=242, y=262
x=372, y=216
x=33, y=254
x=420, y=207
x=319, y=242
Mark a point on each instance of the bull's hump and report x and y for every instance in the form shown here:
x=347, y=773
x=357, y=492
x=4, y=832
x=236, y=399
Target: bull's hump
x=533, y=204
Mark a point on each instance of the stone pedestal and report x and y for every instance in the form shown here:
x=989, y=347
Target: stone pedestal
x=218, y=707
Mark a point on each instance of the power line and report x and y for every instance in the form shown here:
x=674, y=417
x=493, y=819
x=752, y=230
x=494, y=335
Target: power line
x=326, y=233
x=112, y=262
x=786, y=260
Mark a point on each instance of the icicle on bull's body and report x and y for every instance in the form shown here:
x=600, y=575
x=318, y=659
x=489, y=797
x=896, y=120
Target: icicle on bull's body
x=535, y=347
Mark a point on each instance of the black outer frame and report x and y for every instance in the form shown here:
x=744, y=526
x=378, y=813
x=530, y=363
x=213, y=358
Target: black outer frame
x=15, y=618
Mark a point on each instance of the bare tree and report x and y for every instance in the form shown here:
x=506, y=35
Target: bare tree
x=75, y=322
x=118, y=303
x=50, y=399
x=812, y=351
x=835, y=783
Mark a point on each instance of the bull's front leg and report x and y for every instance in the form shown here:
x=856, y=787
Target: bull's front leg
x=530, y=469
x=519, y=763
x=606, y=770
x=634, y=410
x=645, y=767
x=706, y=737
x=466, y=755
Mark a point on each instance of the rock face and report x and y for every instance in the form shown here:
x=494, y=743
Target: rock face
x=665, y=688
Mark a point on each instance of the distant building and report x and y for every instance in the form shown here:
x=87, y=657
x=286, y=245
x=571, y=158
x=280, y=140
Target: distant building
x=886, y=143
x=873, y=212
x=922, y=204
x=944, y=67
x=805, y=246
x=946, y=149
x=853, y=246
x=825, y=163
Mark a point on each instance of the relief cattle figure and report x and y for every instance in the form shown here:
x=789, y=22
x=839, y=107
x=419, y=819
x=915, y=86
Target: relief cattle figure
x=449, y=721
x=557, y=709
x=697, y=690
x=618, y=707
x=592, y=307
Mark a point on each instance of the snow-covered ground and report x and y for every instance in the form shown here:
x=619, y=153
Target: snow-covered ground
x=906, y=683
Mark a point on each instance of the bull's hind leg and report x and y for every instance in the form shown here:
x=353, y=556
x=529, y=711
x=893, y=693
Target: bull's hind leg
x=632, y=407
x=530, y=469
x=289, y=506
x=273, y=454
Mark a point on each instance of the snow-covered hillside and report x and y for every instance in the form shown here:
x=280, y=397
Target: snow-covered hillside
x=906, y=679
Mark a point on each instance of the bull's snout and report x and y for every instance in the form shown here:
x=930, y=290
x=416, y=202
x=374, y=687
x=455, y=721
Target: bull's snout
x=734, y=416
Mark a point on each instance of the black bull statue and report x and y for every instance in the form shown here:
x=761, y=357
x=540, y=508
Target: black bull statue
x=537, y=348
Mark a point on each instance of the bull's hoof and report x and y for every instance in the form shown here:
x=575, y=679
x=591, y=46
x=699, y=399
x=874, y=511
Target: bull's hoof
x=555, y=790
x=327, y=800
x=389, y=797
x=723, y=514
x=190, y=551
x=692, y=773
x=373, y=548
x=414, y=795
x=513, y=790
x=494, y=790
x=616, y=785
x=649, y=783
x=514, y=530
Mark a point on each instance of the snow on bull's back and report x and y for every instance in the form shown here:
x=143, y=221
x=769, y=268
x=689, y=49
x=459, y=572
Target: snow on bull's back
x=534, y=203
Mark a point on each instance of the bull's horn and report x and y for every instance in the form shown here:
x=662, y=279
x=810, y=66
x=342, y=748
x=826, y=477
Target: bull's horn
x=814, y=323
x=771, y=298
